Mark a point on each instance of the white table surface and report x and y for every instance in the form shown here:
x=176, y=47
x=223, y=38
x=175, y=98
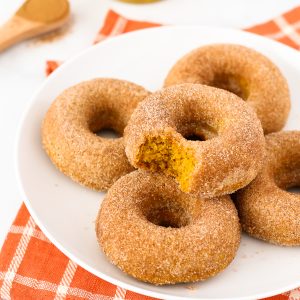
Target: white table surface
x=22, y=67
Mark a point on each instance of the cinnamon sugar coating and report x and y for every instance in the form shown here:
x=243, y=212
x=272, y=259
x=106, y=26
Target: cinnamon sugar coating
x=267, y=211
x=70, y=125
x=241, y=70
x=228, y=159
x=154, y=232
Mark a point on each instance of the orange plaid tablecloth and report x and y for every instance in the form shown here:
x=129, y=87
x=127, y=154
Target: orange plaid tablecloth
x=31, y=267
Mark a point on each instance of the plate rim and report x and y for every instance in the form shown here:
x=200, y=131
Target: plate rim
x=17, y=146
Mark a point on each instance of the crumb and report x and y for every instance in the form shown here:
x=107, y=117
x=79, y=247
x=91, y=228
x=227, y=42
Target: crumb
x=52, y=36
x=191, y=287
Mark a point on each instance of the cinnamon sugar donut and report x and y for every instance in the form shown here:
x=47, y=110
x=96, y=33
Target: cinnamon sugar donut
x=70, y=126
x=156, y=138
x=156, y=233
x=267, y=211
x=243, y=71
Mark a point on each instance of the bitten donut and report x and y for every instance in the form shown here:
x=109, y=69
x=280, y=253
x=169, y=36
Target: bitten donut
x=71, y=123
x=267, y=211
x=243, y=71
x=230, y=155
x=154, y=232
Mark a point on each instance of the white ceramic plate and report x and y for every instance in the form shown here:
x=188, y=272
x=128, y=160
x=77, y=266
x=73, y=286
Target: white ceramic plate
x=65, y=211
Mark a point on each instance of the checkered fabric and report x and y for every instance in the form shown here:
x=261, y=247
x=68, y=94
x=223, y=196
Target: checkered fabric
x=284, y=28
x=31, y=267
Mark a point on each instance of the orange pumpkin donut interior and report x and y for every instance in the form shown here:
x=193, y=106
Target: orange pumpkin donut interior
x=162, y=154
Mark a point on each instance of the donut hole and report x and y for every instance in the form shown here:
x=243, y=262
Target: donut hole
x=106, y=125
x=165, y=154
x=108, y=133
x=287, y=174
x=232, y=83
x=197, y=131
x=166, y=213
x=294, y=189
x=194, y=137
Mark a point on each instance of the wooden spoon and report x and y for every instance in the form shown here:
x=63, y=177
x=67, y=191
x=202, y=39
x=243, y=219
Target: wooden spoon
x=33, y=18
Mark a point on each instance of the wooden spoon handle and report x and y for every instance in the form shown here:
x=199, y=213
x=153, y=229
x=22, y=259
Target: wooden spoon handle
x=13, y=31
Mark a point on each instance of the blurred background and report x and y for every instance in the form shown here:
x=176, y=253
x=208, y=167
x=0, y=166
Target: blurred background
x=22, y=67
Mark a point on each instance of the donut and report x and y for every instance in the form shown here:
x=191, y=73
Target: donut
x=267, y=210
x=156, y=233
x=240, y=70
x=72, y=121
x=160, y=137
